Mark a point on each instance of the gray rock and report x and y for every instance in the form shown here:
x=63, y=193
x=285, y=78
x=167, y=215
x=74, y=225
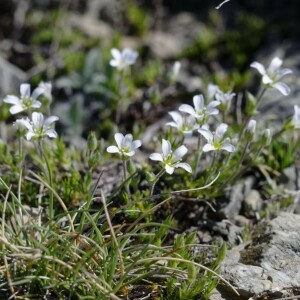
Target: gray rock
x=269, y=265
x=253, y=203
x=163, y=45
x=235, y=202
x=11, y=77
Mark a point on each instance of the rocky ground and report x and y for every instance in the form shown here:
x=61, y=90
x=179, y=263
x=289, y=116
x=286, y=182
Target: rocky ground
x=267, y=264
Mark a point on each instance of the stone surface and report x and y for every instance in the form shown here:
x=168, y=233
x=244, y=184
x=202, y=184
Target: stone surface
x=269, y=265
x=253, y=203
x=11, y=77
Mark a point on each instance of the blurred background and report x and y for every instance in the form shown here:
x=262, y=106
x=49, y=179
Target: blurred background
x=68, y=42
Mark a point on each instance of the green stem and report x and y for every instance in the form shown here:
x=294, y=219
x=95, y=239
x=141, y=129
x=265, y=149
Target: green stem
x=20, y=176
x=48, y=173
x=211, y=167
x=259, y=100
x=124, y=163
x=119, y=107
x=161, y=172
x=238, y=164
x=199, y=154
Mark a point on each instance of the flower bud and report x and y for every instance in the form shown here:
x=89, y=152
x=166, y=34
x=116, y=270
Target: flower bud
x=250, y=130
x=92, y=142
x=266, y=137
x=150, y=176
x=251, y=103
x=131, y=168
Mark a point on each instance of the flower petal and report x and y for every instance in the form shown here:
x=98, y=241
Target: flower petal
x=166, y=148
x=37, y=92
x=50, y=120
x=259, y=67
x=36, y=104
x=220, y=131
x=282, y=88
x=185, y=166
x=169, y=169
x=16, y=109
x=177, y=117
x=136, y=144
x=208, y=147
x=156, y=156
x=187, y=109
x=198, y=101
x=113, y=149
x=266, y=79
x=275, y=65
x=119, y=139
x=25, y=90
x=51, y=133
x=30, y=135
x=37, y=119
x=12, y=100
x=172, y=124
x=284, y=72
x=130, y=153
x=206, y=133
x=116, y=54
x=179, y=153
x=228, y=147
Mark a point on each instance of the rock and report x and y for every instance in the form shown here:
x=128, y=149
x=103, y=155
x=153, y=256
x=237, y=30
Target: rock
x=235, y=202
x=11, y=77
x=253, y=203
x=290, y=178
x=269, y=265
x=236, y=197
x=163, y=45
x=180, y=32
x=241, y=221
x=95, y=29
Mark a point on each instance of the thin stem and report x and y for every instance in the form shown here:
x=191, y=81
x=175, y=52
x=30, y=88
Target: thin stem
x=199, y=154
x=119, y=107
x=50, y=180
x=124, y=164
x=238, y=164
x=259, y=100
x=20, y=177
x=162, y=171
x=211, y=167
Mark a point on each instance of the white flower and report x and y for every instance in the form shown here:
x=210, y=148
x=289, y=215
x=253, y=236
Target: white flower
x=38, y=127
x=175, y=71
x=125, y=145
x=272, y=75
x=215, y=140
x=199, y=111
x=121, y=60
x=211, y=91
x=26, y=101
x=296, y=117
x=224, y=98
x=170, y=159
x=184, y=124
x=47, y=90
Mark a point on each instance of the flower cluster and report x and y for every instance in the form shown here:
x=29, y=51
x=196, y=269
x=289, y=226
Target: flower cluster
x=37, y=127
x=123, y=59
x=271, y=76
